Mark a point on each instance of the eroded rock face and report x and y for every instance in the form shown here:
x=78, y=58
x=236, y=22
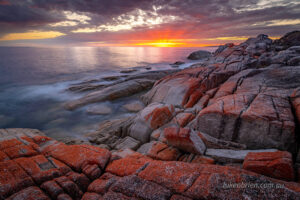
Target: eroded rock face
x=257, y=112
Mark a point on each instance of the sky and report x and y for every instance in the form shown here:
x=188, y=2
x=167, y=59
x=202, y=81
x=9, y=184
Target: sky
x=160, y=23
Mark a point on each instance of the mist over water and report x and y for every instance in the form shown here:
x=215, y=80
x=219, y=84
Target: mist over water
x=33, y=83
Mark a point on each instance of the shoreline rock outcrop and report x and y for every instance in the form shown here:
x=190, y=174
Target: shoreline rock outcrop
x=33, y=166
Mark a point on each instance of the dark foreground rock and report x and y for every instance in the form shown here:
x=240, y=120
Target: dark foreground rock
x=33, y=166
x=198, y=55
x=288, y=40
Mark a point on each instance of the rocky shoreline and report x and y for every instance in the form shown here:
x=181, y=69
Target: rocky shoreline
x=225, y=128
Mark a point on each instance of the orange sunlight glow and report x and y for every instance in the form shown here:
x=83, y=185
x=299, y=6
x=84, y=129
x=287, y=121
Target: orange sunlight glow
x=161, y=43
x=155, y=43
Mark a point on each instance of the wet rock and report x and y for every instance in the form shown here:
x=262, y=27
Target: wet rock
x=197, y=55
x=232, y=156
x=113, y=92
x=86, y=87
x=98, y=84
x=277, y=164
x=134, y=106
x=178, y=63
x=128, y=71
x=111, y=78
x=101, y=109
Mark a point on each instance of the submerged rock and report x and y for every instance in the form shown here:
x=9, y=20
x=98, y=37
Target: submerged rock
x=134, y=106
x=101, y=109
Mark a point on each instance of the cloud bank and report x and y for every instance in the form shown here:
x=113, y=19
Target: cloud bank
x=129, y=22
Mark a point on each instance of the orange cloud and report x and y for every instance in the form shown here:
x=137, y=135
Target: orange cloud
x=33, y=35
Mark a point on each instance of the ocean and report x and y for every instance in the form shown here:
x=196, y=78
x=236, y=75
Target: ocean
x=34, y=82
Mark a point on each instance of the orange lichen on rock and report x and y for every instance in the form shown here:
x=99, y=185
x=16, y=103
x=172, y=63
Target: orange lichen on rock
x=159, y=116
x=277, y=164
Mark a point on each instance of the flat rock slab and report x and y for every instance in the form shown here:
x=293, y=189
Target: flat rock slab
x=228, y=155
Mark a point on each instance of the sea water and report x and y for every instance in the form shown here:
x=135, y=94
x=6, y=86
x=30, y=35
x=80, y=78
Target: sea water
x=34, y=82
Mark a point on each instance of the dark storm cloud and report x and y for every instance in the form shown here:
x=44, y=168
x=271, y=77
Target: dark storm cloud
x=25, y=15
x=101, y=7
x=21, y=15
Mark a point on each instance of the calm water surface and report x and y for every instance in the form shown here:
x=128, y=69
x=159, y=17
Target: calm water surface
x=33, y=83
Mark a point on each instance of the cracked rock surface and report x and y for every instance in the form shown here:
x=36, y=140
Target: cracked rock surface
x=33, y=166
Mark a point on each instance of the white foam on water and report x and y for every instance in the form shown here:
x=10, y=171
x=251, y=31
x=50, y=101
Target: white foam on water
x=55, y=91
x=186, y=65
